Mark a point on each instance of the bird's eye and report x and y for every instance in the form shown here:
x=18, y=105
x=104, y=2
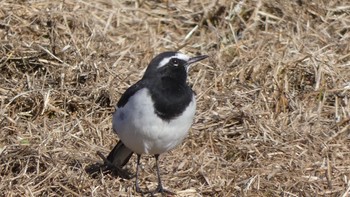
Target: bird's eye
x=174, y=61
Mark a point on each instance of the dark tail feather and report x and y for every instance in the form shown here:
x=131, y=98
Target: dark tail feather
x=120, y=155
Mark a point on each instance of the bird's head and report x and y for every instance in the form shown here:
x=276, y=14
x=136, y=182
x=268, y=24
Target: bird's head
x=171, y=65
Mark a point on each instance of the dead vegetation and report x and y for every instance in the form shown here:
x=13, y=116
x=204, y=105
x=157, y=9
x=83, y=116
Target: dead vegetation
x=273, y=100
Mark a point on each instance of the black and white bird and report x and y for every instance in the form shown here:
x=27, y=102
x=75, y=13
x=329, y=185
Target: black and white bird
x=155, y=114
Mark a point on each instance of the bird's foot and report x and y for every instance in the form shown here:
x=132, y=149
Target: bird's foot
x=138, y=190
x=159, y=189
x=162, y=190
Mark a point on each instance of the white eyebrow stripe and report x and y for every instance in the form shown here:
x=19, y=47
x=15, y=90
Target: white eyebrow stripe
x=178, y=55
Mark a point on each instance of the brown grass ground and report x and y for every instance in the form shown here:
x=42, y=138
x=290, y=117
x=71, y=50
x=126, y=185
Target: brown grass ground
x=273, y=99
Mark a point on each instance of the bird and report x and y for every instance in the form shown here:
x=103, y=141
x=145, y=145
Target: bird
x=154, y=115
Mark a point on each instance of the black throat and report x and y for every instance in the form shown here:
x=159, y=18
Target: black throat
x=171, y=96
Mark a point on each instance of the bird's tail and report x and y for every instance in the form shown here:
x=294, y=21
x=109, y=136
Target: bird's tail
x=119, y=155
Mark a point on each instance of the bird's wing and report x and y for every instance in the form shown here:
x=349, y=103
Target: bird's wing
x=120, y=154
x=129, y=92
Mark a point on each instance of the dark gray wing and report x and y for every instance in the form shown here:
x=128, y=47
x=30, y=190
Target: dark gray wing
x=120, y=154
x=130, y=92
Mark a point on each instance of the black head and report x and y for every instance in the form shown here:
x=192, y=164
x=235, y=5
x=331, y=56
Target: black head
x=165, y=78
x=171, y=65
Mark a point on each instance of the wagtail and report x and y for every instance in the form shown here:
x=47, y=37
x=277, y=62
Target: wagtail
x=154, y=115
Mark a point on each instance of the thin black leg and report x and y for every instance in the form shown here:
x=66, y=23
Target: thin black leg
x=160, y=186
x=137, y=186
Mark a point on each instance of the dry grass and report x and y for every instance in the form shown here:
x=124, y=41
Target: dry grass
x=273, y=100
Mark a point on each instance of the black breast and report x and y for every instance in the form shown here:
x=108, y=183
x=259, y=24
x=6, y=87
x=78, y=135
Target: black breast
x=170, y=99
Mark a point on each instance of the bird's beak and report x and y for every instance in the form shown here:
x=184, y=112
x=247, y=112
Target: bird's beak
x=196, y=59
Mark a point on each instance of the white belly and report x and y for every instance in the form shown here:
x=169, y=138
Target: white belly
x=141, y=130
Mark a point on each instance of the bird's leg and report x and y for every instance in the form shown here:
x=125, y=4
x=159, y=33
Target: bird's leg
x=160, y=188
x=137, y=186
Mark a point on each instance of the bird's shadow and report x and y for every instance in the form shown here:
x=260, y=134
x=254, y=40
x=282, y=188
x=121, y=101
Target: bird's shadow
x=96, y=169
